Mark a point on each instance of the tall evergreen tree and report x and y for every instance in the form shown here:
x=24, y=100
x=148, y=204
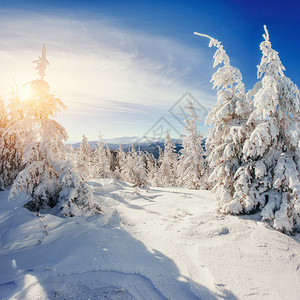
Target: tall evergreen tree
x=120, y=158
x=4, y=164
x=228, y=132
x=110, y=161
x=102, y=161
x=14, y=139
x=133, y=167
x=48, y=178
x=85, y=159
x=191, y=163
x=151, y=169
x=168, y=161
x=269, y=177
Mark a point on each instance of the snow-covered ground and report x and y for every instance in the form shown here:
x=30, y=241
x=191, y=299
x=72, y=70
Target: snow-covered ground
x=165, y=243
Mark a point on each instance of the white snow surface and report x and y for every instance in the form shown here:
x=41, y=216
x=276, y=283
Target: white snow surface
x=166, y=243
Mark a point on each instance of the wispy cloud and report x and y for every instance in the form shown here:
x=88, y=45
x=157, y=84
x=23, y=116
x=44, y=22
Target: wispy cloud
x=98, y=66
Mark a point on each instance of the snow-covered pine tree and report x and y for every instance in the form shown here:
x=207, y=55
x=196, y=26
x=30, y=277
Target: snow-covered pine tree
x=167, y=173
x=71, y=153
x=4, y=164
x=13, y=139
x=227, y=133
x=102, y=162
x=85, y=157
x=120, y=162
x=139, y=170
x=133, y=167
x=110, y=160
x=157, y=180
x=191, y=162
x=85, y=150
x=269, y=177
x=48, y=178
x=151, y=169
x=126, y=163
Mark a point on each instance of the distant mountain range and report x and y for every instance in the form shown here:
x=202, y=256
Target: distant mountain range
x=136, y=140
x=121, y=140
x=142, y=144
x=116, y=141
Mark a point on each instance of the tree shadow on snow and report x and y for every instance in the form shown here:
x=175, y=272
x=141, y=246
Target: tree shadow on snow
x=126, y=198
x=186, y=193
x=255, y=219
x=80, y=261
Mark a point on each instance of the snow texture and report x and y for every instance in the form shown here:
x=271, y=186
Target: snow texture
x=166, y=243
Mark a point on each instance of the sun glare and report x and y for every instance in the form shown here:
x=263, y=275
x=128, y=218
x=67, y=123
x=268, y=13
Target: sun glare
x=25, y=92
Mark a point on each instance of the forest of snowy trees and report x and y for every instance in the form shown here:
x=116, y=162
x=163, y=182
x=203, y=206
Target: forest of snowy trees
x=250, y=160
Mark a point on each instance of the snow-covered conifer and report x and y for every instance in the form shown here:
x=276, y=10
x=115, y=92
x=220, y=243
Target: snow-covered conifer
x=168, y=161
x=227, y=120
x=71, y=153
x=85, y=158
x=191, y=163
x=48, y=178
x=120, y=162
x=157, y=180
x=133, y=168
x=126, y=162
x=85, y=150
x=14, y=140
x=102, y=161
x=139, y=170
x=110, y=160
x=151, y=169
x=269, y=177
x=4, y=164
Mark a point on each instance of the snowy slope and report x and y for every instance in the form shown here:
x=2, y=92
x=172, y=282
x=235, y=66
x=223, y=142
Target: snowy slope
x=168, y=243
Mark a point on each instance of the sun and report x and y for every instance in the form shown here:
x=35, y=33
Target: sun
x=25, y=92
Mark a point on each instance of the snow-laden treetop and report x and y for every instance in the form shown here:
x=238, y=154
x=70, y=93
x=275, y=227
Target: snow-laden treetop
x=42, y=62
x=270, y=64
x=227, y=77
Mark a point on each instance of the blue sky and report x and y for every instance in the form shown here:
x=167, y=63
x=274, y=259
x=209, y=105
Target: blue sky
x=120, y=66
